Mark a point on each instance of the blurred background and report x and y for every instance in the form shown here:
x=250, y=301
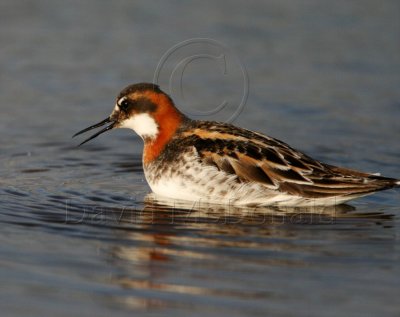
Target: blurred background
x=324, y=76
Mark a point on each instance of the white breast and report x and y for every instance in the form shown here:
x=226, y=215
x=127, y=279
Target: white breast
x=188, y=179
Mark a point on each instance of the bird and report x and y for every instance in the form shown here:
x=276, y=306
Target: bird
x=220, y=163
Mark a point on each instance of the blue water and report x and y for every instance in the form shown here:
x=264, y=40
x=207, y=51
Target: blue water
x=78, y=235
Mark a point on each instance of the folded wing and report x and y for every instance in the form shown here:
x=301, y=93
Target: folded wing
x=253, y=157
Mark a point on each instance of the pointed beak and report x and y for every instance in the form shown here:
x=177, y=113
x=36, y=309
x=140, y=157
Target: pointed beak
x=105, y=121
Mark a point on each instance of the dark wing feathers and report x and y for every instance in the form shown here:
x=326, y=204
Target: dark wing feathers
x=253, y=157
x=251, y=172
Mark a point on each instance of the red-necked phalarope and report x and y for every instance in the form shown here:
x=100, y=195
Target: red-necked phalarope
x=219, y=163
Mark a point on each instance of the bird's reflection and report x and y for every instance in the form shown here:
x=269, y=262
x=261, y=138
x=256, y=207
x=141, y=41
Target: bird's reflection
x=169, y=239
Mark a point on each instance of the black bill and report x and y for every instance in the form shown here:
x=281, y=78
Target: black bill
x=105, y=121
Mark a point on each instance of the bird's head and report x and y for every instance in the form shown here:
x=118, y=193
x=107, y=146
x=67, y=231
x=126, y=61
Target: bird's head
x=144, y=108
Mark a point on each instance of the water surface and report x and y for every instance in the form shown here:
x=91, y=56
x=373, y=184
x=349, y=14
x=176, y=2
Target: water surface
x=78, y=235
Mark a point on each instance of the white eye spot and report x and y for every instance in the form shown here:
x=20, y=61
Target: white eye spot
x=123, y=104
x=143, y=124
x=120, y=101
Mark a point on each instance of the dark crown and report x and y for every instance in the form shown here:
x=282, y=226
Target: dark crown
x=141, y=87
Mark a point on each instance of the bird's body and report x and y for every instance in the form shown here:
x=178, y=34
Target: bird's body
x=220, y=163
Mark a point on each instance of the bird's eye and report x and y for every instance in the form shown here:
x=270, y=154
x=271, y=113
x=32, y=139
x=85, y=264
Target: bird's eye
x=124, y=105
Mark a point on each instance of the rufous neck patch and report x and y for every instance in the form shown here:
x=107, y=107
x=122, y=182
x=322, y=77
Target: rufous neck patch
x=168, y=119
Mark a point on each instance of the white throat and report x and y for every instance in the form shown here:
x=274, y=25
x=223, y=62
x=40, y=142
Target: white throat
x=143, y=124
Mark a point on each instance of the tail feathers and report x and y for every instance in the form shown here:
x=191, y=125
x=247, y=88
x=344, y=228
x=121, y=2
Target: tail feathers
x=398, y=183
